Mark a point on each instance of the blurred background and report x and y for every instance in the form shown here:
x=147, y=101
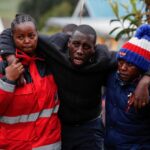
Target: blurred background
x=114, y=20
x=41, y=10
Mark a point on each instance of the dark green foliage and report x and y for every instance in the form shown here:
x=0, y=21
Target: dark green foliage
x=135, y=17
x=41, y=10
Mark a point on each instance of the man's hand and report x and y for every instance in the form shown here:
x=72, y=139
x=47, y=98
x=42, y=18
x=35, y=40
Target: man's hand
x=10, y=58
x=14, y=70
x=140, y=97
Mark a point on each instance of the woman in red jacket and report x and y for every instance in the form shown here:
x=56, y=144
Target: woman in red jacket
x=28, y=113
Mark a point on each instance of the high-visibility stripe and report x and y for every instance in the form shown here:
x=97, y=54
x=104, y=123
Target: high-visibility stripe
x=29, y=118
x=55, y=146
x=6, y=86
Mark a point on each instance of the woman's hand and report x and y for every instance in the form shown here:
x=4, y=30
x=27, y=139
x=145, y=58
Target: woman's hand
x=14, y=70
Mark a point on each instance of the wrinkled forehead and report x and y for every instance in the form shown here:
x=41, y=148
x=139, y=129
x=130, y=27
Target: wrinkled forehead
x=78, y=36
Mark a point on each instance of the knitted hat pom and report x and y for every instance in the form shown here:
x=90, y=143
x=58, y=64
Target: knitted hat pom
x=143, y=32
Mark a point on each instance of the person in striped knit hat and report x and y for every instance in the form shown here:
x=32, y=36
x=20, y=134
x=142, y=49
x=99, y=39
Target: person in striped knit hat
x=126, y=127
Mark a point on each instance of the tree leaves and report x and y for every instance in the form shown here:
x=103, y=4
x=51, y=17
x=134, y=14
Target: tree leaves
x=41, y=10
x=134, y=17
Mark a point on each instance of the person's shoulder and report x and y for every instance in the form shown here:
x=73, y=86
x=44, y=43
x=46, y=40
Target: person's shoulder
x=101, y=52
x=6, y=31
x=61, y=34
x=58, y=37
x=5, y=37
x=101, y=49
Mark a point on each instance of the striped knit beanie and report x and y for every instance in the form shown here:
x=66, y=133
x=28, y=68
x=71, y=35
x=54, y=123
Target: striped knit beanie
x=137, y=50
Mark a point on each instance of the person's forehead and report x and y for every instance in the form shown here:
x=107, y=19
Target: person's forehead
x=77, y=35
x=25, y=25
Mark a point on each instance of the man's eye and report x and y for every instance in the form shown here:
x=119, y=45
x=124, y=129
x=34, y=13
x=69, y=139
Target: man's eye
x=76, y=44
x=32, y=36
x=86, y=47
x=20, y=37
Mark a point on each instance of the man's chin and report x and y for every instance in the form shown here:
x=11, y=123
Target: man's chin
x=78, y=63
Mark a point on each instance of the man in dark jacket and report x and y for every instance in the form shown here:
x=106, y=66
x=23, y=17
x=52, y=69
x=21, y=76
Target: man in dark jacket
x=80, y=74
x=79, y=71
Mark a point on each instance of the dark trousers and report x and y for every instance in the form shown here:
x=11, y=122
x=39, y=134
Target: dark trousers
x=87, y=136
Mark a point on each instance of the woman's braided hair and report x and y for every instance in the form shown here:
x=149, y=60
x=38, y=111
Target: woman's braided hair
x=21, y=18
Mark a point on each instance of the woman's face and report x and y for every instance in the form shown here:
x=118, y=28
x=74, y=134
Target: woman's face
x=25, y=37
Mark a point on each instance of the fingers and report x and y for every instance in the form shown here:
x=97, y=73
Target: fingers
x=144, y=102
x=20, y=68
x=141, y=93
x=15, y=61
x=10, y=58
x=14, y=70
x=140, y=102
x=18, y=65
x=137, y=103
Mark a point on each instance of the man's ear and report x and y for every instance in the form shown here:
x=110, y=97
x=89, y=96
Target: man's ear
x=68, y=44
x=94, y=50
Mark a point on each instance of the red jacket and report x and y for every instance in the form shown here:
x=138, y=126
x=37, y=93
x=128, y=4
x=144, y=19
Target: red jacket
x=28, y=114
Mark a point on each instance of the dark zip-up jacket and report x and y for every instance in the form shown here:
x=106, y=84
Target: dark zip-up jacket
x=125, y=130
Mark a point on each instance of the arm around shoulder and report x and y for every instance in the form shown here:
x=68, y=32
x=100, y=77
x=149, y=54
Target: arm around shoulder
x=6, y=43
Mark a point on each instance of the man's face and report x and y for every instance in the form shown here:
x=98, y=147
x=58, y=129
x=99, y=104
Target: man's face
x=25, y=37
x=81, y=48
x=127, y=71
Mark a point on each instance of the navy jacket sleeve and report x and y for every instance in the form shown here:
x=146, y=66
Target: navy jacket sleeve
x=6, y=43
